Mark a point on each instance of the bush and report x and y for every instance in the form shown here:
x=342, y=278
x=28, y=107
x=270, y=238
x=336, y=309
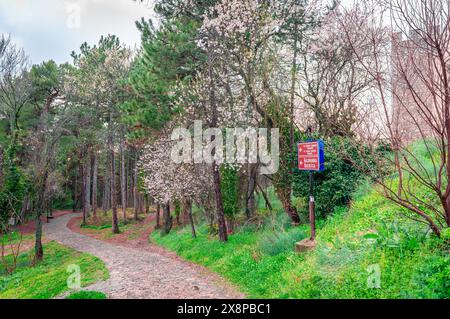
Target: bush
x=432, y=279
x=229, y=185
x=13, y=190
x=334, y=186
x=446, y=235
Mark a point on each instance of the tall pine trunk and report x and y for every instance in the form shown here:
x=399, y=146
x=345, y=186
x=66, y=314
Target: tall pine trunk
x=106, y=187
x=135, y=187
x=75, y=191
x=129, y=179
x=87, y=190
x=115, y=222
x=94, y=185
x=88, y=185
x=85, y=195
x=123, y=190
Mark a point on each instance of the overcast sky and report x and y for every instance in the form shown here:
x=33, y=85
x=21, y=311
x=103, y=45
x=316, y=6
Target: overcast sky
x=52, y=29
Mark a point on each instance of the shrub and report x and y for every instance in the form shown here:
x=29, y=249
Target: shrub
x=229, y=185
x=446, y=235
x=334, y=186
x=432, y=279
x=13, y=190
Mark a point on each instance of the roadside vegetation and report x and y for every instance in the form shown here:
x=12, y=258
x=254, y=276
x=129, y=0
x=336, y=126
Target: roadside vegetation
x=352, y=245
x=48, y=279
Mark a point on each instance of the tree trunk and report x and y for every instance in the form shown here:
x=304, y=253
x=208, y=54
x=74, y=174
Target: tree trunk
x=230, y=224
x=88, y=185
x=141, y=203
x=167, y=219
x=23, y=211
x=1, y=168
x=191, y=218
x=85, y=198
x=106, y=187
x=210, y=213
x=94, y=185
x=185, y=212
x=135, y=189
x=115, y=223
x=284, y=194
x=158, y=213
x=266, y=198
x=87, y=190
x=250, y=205
x=177, y=208
x=38, y=250
x=123, y=190
x=223, y=235
x=146, y=204
x=75, y=191
x=130, y=179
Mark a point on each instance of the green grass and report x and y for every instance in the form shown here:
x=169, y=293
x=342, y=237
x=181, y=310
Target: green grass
x=103, y=223
x=48, y=278
x=369, y=235
x=14, y=237
x=87, y=295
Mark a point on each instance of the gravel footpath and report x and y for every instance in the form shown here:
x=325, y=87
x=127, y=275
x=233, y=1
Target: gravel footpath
x=136, y=273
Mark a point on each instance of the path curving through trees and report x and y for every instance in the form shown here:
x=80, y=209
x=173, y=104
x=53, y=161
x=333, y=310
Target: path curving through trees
x=139, y=273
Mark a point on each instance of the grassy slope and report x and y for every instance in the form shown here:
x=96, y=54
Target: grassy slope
x=262, y=263
x=48, y=279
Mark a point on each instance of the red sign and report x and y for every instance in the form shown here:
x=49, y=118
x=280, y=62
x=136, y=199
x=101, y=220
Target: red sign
x=308, y=156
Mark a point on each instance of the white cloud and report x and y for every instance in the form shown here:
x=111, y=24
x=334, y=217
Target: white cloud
x=46, y=31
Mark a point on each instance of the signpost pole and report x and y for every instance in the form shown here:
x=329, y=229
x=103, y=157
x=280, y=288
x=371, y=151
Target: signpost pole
x=311, y=158
x=312, y=217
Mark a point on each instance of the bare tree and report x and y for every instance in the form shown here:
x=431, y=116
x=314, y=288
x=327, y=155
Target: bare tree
x=14, y=82
x=332, y=83
x=10, y=241
x=408, y=62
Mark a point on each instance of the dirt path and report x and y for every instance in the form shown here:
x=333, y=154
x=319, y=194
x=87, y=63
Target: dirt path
x=142, y=273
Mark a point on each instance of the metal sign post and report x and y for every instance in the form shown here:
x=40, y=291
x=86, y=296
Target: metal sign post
x=312, y=216
x=311, y=158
